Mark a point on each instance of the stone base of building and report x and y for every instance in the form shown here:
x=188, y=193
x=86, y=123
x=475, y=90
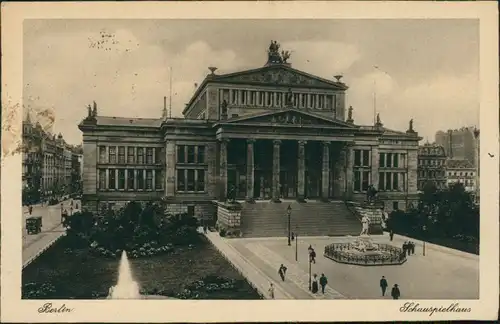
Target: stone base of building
x=228, y=215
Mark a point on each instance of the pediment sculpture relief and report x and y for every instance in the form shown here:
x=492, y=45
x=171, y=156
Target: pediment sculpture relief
x=278, y=77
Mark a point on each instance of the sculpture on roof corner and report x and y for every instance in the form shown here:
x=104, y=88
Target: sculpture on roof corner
x=274, y=55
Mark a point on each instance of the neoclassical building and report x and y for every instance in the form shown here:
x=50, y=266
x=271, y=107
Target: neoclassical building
x=265, y=134
x=432, y=166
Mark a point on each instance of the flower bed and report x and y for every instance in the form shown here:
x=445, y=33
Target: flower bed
x=187, y=272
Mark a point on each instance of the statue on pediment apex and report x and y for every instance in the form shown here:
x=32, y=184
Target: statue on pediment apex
x=410, y=128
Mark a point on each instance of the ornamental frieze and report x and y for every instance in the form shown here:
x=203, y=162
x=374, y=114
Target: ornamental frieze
x=278, y=77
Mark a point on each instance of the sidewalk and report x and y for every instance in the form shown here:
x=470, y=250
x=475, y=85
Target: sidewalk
x=36, y=247
x=254, y=275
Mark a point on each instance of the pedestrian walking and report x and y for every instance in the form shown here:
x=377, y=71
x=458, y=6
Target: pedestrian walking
x=312, y=255
x=383, y=285
x=30, y=209
x=293, y=236
x=314, y=287
x=282, y=272
x=412, y=247
x=323, y=281
x=395, y=293
x=405, y=247
x=271, y=291
x=391, y=235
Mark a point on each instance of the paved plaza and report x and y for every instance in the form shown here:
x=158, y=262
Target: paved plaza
x=441, y=274
x=52, y=228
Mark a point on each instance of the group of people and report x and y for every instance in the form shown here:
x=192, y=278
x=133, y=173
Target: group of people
x=323, y=281
x=408, y=248
x=395, y=292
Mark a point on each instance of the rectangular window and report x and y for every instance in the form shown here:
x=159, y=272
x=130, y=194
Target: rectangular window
x=357, y=180
x=396, y=160
x=388, y=181
x=121, y=178
x=102, y=179
x=158, y=179
x=381, y=161
x=389, y=160
x=200, y=180
x=140, y=155
x=366, y=158
x=357, y=158
x=381, y=181
x=149, y=179
x=112, y=179
x=201, y=154
x=121, y=154
x=140, y=179
x=366, y=180
x=112, y=154
x=130, y=179
x=190, y=180
x=158, y=155
x=395, y=182
x=102, y=154
x=190, y=154
x=395, y=205
x=181, y=180
x=181, y=154
x=149, y=155
x=130, y=155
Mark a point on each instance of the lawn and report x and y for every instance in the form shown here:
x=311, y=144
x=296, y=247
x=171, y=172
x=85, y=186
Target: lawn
x=81, y=275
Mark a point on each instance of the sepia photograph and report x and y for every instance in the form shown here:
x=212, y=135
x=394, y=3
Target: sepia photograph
x=224, y=159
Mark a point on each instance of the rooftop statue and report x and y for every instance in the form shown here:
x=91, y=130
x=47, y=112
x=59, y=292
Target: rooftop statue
x=274, y=55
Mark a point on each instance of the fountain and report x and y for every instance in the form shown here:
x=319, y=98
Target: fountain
x=126, y=287
x=363, y=251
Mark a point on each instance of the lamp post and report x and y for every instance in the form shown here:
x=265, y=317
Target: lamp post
x=296, y=246
x=289, y=212
x=310, y=261
x=424, y=228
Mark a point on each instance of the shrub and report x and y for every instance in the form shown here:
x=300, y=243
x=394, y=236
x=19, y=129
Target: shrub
x=34, y=290
x=222, y=232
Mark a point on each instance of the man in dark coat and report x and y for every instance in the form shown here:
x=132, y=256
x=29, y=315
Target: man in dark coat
x=412, y=247
x=383, y=285
x=395, y=293
x=391, y=235
x=282, y=272
x=312, y=255
x=323, y=281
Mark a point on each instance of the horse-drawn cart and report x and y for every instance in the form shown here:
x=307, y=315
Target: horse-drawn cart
x=34, y=225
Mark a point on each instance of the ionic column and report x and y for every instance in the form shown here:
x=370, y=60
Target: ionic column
x=107, y=178
x=325, y=174
x=116, y=179
x=349, y=171
x=301, y=169
x=125, y=186
x=276, y=170
x=375, y=166
x=250, y=169
x=223, y=170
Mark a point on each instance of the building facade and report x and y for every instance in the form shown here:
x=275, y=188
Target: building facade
x=431, y=166
x=458, y=144
x=268, y=133
x=461, y=171
x=47, y=162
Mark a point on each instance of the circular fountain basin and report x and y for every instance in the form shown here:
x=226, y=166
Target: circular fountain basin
x=362, y=251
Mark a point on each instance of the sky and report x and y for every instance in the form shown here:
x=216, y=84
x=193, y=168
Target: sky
x=428, y=70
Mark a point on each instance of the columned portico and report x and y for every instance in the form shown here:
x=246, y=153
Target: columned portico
x=250, y=170
x=276, y=170
x=301, y=170
x=325, y=174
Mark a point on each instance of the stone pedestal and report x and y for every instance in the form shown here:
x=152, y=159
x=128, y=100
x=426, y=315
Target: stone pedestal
x=276, y=171
x=301, y=169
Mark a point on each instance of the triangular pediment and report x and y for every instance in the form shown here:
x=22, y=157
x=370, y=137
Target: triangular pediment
x=289, y=117
x=280, y=75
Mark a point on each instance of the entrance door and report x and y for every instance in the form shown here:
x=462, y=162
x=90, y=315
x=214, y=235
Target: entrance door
x=313, y=182
x=288, y=181
x=263, y=180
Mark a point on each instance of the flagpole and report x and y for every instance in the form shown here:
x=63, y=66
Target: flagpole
x=170, y=100
x=374, y=100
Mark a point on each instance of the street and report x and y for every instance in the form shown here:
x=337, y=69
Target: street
x=51, y=228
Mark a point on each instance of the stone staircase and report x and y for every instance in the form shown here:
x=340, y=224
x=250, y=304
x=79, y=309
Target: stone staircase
x=314, y=218
x=374, y=214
